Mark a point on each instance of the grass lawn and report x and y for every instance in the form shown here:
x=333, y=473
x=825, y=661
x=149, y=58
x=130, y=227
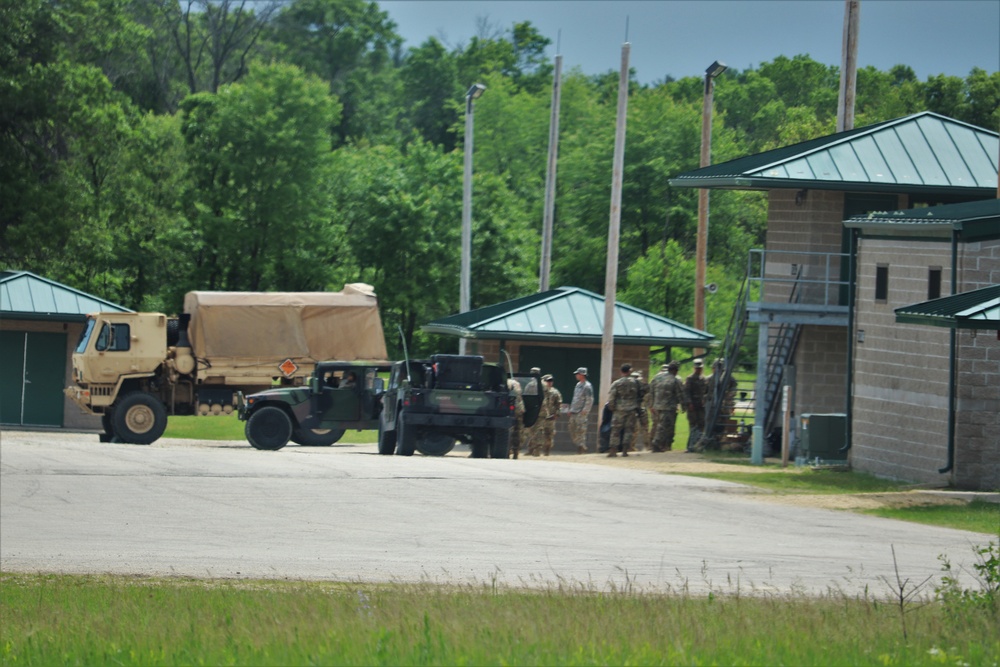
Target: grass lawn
x=978, y=515
x=102, y=620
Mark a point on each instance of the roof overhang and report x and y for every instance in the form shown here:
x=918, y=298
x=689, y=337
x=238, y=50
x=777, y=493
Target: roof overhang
x=978, y=309
x=567, y=315
x=462, y=332
x=971, y=221
x=764, y=184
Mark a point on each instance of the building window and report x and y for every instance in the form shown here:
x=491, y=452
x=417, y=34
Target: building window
x=882, y=283
x=933, y=282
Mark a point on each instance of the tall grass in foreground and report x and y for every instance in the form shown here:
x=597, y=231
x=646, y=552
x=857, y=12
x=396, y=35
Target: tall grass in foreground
x=51, y=620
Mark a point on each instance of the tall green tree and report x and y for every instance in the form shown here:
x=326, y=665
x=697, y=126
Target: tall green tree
x=259, y=154
x=61, y=131
x=430, y=89
x=401, y=211
x=349, y=44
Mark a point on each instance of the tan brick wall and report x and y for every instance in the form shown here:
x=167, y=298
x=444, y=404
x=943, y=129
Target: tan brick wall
x=821, y=371
x=814, y=224
x=900, y=393
x=977, y=433
x=73, y=417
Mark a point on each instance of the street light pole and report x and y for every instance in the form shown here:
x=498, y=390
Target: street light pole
x=701, y=248
x=464, y=290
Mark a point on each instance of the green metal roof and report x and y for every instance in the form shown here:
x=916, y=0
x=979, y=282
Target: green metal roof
x=925, y=153
x=25, y=296
x=567, y=315
x=974, y=220
x=978, y=309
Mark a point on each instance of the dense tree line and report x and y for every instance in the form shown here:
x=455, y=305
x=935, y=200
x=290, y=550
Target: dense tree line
x=152, y=147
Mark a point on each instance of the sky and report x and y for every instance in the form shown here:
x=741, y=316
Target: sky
x=681, y=38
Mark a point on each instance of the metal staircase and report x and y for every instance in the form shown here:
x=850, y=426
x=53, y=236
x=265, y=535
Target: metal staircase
x=721, y=420
x=721, y=425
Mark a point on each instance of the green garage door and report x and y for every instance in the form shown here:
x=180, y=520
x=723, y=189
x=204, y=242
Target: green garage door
x=32, y=375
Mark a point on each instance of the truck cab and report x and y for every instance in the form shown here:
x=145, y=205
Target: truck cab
x=115, y=367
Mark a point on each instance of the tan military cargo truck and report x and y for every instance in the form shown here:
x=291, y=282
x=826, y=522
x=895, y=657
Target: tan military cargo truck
x=133, y=369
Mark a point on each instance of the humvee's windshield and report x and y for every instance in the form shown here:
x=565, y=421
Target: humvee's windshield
x=81, y=345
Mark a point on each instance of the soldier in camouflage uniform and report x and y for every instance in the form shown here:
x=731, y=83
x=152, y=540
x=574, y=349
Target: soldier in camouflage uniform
x=641, y=414
x=623, y=399
x=546, y=432
x=531, y=389
x=517, y=430
x=696, y=387
x=711, y=388
x=667, y=394
x=579, y=410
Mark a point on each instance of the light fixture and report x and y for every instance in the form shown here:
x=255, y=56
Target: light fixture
x=477, y=90
x=715, y=69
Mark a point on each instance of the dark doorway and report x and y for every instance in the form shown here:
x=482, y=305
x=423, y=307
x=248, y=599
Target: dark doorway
x=561, y=362
x=32, y=377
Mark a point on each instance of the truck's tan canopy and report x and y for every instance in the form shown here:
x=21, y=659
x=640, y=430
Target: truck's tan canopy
x=307, y=326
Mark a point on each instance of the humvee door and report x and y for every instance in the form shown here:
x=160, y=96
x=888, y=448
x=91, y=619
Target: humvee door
x=531, y=390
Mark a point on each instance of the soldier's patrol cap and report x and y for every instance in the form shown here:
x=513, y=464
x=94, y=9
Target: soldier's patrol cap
x=535, y=369
x=673, y=364
x=698, y=363
x=582, y=370
x=665, y=367
x=547, y=378
x=637, y=374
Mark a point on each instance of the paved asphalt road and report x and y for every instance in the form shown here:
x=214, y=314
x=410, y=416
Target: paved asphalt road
x=71, y=504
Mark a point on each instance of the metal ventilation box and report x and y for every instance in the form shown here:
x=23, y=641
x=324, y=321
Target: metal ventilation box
x=823, y=436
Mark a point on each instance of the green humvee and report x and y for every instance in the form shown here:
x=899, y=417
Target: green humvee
x=431, y=404
x=340, y=396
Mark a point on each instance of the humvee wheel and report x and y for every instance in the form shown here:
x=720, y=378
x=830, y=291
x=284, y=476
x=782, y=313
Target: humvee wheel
x=406, y=442
x=386, y=438
x=269, y=428
x=481, y=443
x=501, y=444
x=139, y=419
x=316, y=437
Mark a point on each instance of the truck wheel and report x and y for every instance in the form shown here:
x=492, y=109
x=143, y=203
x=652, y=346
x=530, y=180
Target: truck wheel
x=139, y=418
x=435, y=444
x=269, y=428
x=501, y=443
x=316, y=437
x=406, y=442
x=108, y=424
x=386, y=438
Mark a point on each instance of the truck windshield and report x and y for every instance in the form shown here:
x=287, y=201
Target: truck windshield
x=81, y=345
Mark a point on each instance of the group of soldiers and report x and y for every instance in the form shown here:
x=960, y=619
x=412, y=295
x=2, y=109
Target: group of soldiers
x=538, y=438
x=631, y=401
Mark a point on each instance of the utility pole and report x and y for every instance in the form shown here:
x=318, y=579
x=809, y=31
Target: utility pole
x=701, y=242
x=465, y=279
x=848, y=66
x=550, y=182
x=614, y=227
